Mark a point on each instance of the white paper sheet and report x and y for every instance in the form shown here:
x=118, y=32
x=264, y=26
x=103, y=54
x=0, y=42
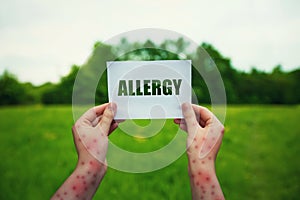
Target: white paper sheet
x=149, y=89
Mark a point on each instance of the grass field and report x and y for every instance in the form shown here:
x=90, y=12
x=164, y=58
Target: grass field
x=259, y=158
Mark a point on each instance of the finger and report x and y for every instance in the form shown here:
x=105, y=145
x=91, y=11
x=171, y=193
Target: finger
x=190, y=118
x=120, y=120
x=100, y=109
x=177, y=121
x=107, y=118
x=181, y=123
x=213, y=137
x=183, y=127
x=96, y=121
x=204, y=114
x=197, y=112
x=196, y=109
x=92, y=113
x=114, y=126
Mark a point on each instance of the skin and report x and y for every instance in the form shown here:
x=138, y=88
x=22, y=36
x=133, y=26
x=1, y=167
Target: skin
x=90, y=134
x=91, y=166
x=205, y=134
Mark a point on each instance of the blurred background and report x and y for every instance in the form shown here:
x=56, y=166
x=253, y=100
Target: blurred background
x=254, y=45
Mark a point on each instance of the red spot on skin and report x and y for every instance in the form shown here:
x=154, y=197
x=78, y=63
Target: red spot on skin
x=202, y=187
x=74, y=188
x=204, y=191
x=196, y=146
x=65, y=193
x=95, y=141
x=91, y=163
x=102, y=134
x=212, y=193
x=209, y=158
x=95, y=175
x=88, y=147
x=77, y=195
x=194, y=161
x=83, y=135
x=223, y=131
x=84, y=182
x=203, y=162
x=93, y=183
x=207, y=178
x=58, y=195
x=195, y=139
x=85, y=188
x=197, y=183
x=213, y=138
x=203, y=139
x=213, y=186
x=193, y=175
x=88, y=172
x=82, y=177
x=79, y=139
x=98, y=152
x=199, y=173
x=77, y=177
x=202, y=197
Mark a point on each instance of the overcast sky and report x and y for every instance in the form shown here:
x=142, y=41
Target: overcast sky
x=41, y=39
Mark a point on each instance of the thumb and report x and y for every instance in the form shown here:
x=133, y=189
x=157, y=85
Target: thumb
x=190, y=119
x=107, y=118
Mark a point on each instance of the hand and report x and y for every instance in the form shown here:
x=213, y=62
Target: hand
x=90, y=134
x=205, y=134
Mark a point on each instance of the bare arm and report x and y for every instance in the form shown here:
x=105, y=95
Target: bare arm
x=90, y=134
x=205, y=134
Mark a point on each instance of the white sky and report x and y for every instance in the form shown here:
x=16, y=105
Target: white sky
x=41, y=39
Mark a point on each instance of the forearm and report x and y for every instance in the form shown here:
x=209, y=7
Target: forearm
x=204, y=182
x=83, y=182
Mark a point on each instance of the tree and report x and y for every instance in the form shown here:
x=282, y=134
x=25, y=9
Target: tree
x=11, y=91
x=62, y=92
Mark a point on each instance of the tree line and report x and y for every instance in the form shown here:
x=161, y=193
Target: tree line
x=254, y=87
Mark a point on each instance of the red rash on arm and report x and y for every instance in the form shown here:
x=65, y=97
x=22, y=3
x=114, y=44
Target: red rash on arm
x=203, y=179
x=90, y=134
x=204, y=183
x=83, y=182
x=203, y=143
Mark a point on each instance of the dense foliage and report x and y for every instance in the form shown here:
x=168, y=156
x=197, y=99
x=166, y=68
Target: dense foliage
x=255, y=87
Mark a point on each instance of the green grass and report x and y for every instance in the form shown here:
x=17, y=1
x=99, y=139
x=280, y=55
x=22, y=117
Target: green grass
x=258, y=159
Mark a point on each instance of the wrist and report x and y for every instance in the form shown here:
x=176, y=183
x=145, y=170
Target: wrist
x=84, y=180
x=91, y=166
x=204, y=165
x=87, y=177
x=201, y=171
x=203, y=180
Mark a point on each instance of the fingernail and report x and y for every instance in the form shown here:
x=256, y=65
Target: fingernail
x=185, y=106
x=112, y=106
